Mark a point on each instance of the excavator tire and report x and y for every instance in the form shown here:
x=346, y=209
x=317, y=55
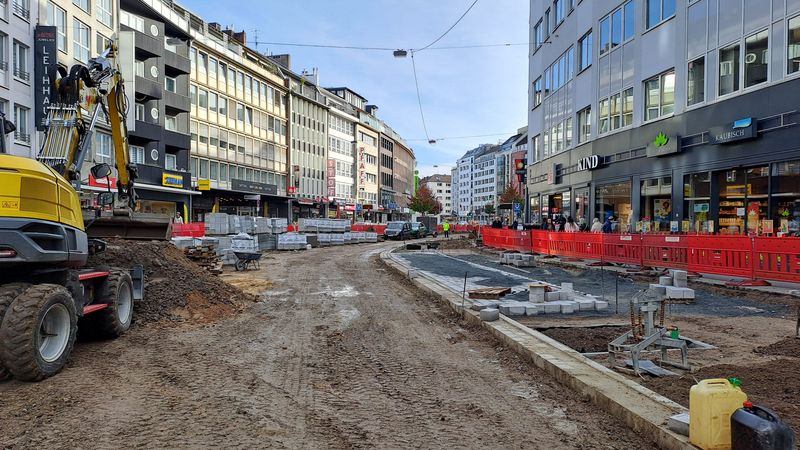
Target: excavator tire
x=38, y=332
x=8, y=292
x=115, y=320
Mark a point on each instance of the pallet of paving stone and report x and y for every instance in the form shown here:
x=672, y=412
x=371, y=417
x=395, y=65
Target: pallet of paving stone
x=489, y=293
x=206, y=257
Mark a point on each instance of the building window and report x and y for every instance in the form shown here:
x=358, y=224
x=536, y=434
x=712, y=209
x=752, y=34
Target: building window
x=538, y=34
x=102, y=43
x=80, y=40
x=202, y=98
x=22, y=133
x=139, y=111
x=660, y=96
x=171, y=162
x=729, y=69
x=171, y=123
x=104, y=13
x=57, y=16
x=137, y=154
x=537, y=92
x=103, y=145
x=603, y=116
x=794, y=45
x=21, y=8
x=585, y=51
x=616, y=28
x=169, y=84
x=659, y=11
x=605, y=35
x=21, y=61
x=584, y=124
x=696, y=82
x=627, y=107
x=82, y=4
x=133, y=21
x=558, y=8
x=629, y=28
x=756, y=59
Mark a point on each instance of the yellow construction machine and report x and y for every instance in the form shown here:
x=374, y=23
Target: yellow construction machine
x=46, y=236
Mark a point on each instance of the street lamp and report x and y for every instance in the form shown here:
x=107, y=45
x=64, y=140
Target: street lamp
x=400, y=53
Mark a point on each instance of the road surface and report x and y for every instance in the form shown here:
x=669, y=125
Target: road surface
x=339, y=353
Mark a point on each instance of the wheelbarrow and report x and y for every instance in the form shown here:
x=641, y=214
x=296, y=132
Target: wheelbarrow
x=247, y=259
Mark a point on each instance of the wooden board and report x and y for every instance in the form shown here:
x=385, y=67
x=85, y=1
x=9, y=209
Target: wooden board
x=489, y=293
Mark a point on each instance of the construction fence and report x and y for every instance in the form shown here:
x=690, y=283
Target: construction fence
x=748, y=257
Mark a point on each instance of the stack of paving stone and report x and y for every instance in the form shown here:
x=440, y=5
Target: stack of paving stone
x=674, y=286
x=292, y=241
x=545, y=299
x=217, y=224
x=517, y=259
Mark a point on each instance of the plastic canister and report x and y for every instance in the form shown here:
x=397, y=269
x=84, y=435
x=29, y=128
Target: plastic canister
x=759, y=428
x=711, y=404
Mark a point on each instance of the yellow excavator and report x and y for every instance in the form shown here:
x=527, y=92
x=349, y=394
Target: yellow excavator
x=46, y=236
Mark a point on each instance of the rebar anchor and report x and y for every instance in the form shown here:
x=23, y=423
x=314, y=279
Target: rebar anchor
x=647, y=334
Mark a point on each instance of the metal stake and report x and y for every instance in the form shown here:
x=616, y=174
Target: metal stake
x=464, y=293
x=602, y=284
x=797, y=330
x=616, y=295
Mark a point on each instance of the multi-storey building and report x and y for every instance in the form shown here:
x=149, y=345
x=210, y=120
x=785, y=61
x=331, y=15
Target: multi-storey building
x=513, y=150
x=238, y=124
x=440, y=187
x=477, y=182
x=18, y=21
x=343, y=150
x=404, y=180
x=454, y=194
x=667, y=115
x=368, y=171
x=159, y=102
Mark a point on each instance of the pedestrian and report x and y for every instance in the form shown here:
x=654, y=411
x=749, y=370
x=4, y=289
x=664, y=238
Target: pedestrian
x=178, y=218
x=446, y=229
x=607, y=227
x=582, y=225
x=562, y=222
x=597, y=227
x=514, y=225
x=550, y=225
x=571, y=226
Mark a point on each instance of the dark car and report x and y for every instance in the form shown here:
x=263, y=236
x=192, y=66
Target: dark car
x=419, y=230
x=398, y=230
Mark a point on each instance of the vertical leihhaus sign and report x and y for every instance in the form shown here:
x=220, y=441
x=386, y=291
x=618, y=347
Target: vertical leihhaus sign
x=44, y=53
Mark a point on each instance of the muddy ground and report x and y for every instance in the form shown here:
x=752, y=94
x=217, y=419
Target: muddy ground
x=585, y=340
x=337, y=353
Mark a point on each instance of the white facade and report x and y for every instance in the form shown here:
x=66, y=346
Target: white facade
x=476, y=182
x=441, y=187
x=341, y=149
x=17, y=21
x=463, y=185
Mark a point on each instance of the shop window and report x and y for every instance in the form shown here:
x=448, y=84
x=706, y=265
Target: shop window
x=793, y=54
x=729, y=69
x=786, y=197
x=656, y=207
x=756, y=59
x=697, y=202
x=696, y=82
x=614, y=201
x=743, y=200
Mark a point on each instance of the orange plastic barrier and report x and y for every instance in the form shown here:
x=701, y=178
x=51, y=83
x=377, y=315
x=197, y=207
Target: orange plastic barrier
x=622, y=248
x=777, y=258
x=721, y=255
x=562, y=244
x=588, y=245
x=665, y=250
x=540, y=242
x=194, y=229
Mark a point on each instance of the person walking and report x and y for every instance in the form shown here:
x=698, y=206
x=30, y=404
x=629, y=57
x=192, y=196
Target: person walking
x=571, y=226
x=446, y=229
x=597, y=227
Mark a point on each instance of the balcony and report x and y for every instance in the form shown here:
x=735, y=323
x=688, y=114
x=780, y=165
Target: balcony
x=147, y=130
x=21, y=10
x=22, y=75
x=177, y=62
x=148, y=87
x=176, y=139
x=148, y=45
x=176, y=101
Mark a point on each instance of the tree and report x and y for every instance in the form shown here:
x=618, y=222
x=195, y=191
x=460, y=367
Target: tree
x=511, y=195
x=488, y=209
x=424, y=202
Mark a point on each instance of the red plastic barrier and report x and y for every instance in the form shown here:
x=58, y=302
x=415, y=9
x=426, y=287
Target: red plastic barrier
x=562, y=244
x=777, y=258
x=664, y=250
x=540, y=242
x=194, y=229
x=622, y=248
x=589, y=245
x=721, y=255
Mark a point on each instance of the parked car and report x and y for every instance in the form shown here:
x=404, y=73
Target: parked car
x=398, y=230
x=419, y=230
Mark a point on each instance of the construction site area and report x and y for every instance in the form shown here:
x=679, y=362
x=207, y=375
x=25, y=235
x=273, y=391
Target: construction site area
x=389, y=345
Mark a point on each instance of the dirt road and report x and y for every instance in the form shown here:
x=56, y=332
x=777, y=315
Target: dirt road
x=340, y=353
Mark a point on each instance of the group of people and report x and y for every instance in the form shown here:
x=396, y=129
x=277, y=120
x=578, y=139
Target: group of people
x=569, y=225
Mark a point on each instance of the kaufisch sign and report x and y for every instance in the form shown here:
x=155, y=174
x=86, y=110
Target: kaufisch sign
x=739, y=130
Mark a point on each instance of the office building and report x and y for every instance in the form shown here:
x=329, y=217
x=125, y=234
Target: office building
x=17, y=23
x=440, y=187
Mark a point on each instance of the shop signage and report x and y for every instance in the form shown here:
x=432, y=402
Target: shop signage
x=253, y=187
x=171, y=180
x=362, y=166
x=203, y=185
x=663, y=145
x=349, y=207
x=589, y=163
x=392, y=205
x=253, y=197
x=44, y=50
x=108, y=182
x=291, y=190
x=368, y=207
x=331, y=178
x=740, y=130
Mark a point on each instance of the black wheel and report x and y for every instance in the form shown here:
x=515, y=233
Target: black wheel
x=8, y=292
x=240, y=265
x=38, y=332
x=115, y=320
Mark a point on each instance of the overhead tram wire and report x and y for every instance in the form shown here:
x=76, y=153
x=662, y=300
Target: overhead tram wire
x=354, y=47
x=448, y=30
x=464, y=137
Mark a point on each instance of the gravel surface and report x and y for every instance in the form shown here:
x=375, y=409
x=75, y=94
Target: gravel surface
x=339, y=354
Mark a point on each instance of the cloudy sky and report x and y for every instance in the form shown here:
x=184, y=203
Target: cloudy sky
x=465, y=92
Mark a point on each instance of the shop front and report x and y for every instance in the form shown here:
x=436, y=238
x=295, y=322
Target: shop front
x=559, y=187
x=245, y=198
x=729, y=168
